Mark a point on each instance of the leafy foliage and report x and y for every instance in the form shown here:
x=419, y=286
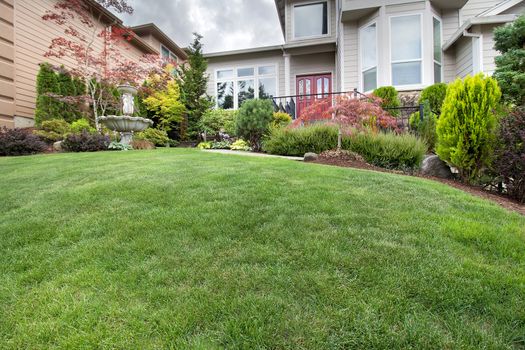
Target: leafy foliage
x=220, y=145
x=389, y=99
x=117, y=146
x=53, y=130
x=219, y=120
x=193, y=81
x=85, y=142
x=157, y=137
x=510, y=154
x=204, y=145
x=18, y=142
x=467, y=125
x=510, y=66
x=81, y=125
x=142, y=145
x=281, y=119
x=253, y=121
x=47, y=107
x=166, y=105
x=426, y=128
x=298, y=141
x=435, y=95
x=240, y=145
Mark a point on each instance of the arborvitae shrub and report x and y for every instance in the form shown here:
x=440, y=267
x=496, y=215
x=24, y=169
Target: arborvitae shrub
x=467, y=126
x=389, y=99
x=47, y=107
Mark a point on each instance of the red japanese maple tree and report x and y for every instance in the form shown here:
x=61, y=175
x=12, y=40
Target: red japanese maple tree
x=86, y=23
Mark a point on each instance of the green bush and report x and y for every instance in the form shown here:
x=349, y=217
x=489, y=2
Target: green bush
x=388, y=150
x=253, y=121
x=47, y=107
x=296, y=142
x=157, y=137
x=389, y=99
x=435, y=95
x=81, y=125
x=216, y=120
x=53, y=130
x=86, y=142
x=204, y=145
x=467, y=125
x=426, y=128
x=281, y=119
x=240, y=145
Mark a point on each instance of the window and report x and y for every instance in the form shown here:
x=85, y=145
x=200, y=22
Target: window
x=234, y=86
x=167, y=55
x=368, y=45
x=406, y=50
x=438, y=54
x=310, y=20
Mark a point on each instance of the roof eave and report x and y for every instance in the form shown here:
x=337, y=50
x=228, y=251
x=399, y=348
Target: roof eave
x=156, y=31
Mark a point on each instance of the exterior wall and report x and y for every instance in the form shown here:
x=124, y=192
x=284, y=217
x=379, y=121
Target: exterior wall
x=29, y=53
x=518, y=9
x=245, y=60
x=332, y=25
x=450, y=23
x=350, y=69
x=312, y=64
x=464, y=59
x=7, y=69
x=475, y=7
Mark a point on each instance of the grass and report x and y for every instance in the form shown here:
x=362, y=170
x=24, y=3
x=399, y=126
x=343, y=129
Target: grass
x=186, y=250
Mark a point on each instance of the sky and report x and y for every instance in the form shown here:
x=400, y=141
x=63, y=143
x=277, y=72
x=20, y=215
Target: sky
x=224, y=24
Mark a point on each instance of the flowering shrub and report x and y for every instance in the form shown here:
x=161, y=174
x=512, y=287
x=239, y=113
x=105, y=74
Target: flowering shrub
x=18, y=142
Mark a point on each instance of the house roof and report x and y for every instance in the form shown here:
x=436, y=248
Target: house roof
x=477, y=21
x=151, y=28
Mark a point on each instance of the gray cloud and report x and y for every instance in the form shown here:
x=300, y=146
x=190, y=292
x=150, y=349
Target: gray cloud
x=225, y=24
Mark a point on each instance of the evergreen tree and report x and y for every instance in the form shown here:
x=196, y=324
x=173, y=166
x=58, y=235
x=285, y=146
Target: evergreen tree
x=47, y=107
x=510, y=71
x=193, y=81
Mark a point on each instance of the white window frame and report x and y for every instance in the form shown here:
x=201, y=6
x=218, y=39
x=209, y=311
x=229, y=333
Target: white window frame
x=171, y=54
x=328, y=19
x=441, y=48
x=235, y=79
x=360, y=58
x=422, y=59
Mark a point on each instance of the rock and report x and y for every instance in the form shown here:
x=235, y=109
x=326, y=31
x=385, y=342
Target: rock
x=310, y=157
x=433, y=166
x=57, y=146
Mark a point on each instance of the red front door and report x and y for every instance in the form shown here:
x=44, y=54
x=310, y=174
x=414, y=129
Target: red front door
x=312, y=88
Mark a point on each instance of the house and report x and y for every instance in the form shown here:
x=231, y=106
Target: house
x=25, y=37
x=333, y=46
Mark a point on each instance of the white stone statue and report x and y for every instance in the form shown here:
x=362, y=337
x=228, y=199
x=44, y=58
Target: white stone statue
x=128, y=104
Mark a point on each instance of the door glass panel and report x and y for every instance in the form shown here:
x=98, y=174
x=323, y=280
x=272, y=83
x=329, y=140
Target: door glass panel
x=308, y=88
x=326, y=85
x=319, y=87
x=301, y=88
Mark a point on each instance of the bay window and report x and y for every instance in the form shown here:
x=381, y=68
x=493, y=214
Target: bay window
x=368, y=45
x=235, y=86
x=406, y=50
x=438, y=55
x=310, y=20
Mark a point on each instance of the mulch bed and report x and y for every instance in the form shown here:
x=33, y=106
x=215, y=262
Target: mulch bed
x=351, y=160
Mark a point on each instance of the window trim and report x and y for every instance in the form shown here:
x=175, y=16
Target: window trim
x=441, y=48
x=360, y=58
x=328, y=20
x=422, y=59
x=235, y=79
x=170, y=54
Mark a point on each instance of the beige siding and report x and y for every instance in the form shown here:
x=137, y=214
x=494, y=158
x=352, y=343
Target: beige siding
x=30, y=52
x=289, y=21
x=7, y=70
x=449, y=65
x=464, y=57
x=414, y=6
x=351, y=74
x=518, y=9
x=476, y=7
x=246, y=60
x=312, y=64
x=450, y=23
x=489, y=53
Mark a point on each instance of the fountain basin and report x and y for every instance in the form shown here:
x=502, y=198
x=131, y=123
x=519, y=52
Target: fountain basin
x=126, y=123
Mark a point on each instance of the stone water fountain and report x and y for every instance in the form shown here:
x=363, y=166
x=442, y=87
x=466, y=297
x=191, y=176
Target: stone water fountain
x=126, y=124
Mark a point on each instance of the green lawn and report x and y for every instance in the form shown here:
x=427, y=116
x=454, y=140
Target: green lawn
x=183, y=249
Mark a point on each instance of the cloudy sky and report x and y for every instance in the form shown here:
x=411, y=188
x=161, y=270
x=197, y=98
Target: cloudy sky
x=225, y=24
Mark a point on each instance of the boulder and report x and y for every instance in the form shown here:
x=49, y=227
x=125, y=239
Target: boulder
x=433, y=166
x=57, y=146
x=310, y=157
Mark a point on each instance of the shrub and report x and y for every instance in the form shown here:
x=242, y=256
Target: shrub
x=219, y=120
x=435, y=95
x=157, y=137
x=510, y=154
x=240, y=145
x=117, y=146
x=47, y=107
x=298, y=141
x=389, y=99
x=204, y=145
x=53, y=130
x=281, y=119
x=253, y=121
x=426, y=128
x=220, y=145
x=467, y=125
x=387, y=150
x=142, y=145
x=86, y=142
x=81, y=125
x=18, y=142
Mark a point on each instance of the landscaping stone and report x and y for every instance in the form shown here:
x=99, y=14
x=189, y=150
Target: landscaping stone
x=57, y=146
x=433, y=166
x=311, y=157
